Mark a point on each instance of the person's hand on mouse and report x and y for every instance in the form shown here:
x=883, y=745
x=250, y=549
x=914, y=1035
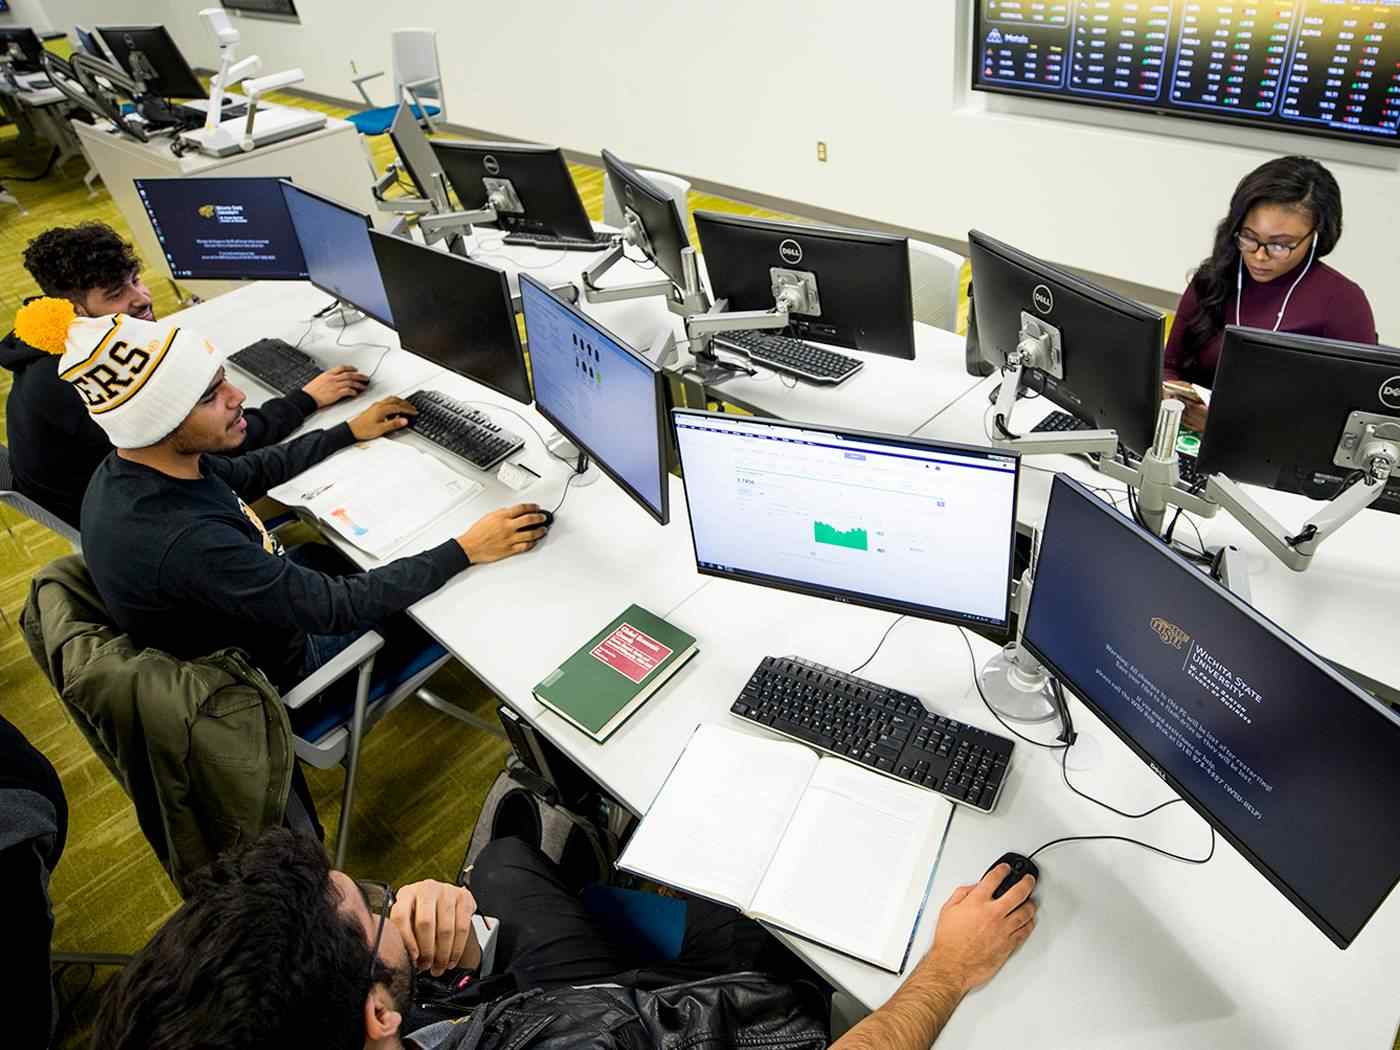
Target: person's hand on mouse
x=385, y=416
x=502, y=533
x=336, y=384
x=975, y=934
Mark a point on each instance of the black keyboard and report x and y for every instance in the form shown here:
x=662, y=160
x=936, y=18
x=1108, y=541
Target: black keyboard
x=1060, y=422
x=277, y=365
x=195, y=117
x=597, y=243
x=784, y=354
x=1186, y=468
x=462, y=430
x=875, y=726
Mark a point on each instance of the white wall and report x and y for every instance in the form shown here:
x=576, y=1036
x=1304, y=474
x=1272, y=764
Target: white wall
x=32, y=13
x=739, y=91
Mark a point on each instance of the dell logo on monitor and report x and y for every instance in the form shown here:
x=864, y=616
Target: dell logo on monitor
x=1390, y=392
x=491, y=164
x=790, y=252
x=1043, y=300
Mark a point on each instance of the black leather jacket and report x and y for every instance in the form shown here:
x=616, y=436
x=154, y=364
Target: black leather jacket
x=737, y=1010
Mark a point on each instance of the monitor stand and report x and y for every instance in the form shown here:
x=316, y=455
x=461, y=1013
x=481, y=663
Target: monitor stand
x=682, y=300
x=1014, y=683
x=586, y=471
x=794, y=292
x=342, y=315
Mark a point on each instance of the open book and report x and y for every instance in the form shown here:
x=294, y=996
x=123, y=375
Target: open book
x=812, y=845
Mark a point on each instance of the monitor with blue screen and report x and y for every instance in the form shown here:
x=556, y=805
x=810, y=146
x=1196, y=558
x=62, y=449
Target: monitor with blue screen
x=339, y=257
x=1295, y=766
x=600, y=393
x=223, y=229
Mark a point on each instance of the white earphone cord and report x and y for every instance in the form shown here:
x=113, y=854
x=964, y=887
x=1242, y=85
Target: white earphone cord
x=1239, y=286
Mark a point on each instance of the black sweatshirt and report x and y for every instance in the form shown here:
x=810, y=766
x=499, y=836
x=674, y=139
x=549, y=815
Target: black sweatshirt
x=182, y=568
x=55, y=445
x=33, y=827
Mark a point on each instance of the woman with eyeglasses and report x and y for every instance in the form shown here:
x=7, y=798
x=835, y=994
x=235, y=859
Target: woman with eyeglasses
x=1266, y=271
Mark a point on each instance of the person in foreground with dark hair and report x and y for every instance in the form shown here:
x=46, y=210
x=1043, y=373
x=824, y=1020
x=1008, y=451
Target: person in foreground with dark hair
x=54, y=446
x=272, y=948
x=1265, y=271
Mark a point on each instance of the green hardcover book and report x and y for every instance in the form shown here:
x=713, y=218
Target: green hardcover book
x=599, y=687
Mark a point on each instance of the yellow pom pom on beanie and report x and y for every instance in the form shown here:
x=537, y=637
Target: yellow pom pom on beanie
x=43, y=324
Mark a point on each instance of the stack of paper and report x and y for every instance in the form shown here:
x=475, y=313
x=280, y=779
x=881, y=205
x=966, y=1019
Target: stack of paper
x=378, y=495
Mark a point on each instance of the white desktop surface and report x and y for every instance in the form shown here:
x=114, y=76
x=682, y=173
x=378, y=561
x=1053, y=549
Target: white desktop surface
x=889, y=395
x=1335, y=607
x=1132, y=950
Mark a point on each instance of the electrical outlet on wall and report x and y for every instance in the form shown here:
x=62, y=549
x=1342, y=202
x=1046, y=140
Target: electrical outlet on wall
x=821, y=151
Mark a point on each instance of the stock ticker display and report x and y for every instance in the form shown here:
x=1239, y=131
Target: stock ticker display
x=1328, y=67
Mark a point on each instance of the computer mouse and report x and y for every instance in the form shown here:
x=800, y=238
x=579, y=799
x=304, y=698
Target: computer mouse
x=1020, y=867
x=548, y=521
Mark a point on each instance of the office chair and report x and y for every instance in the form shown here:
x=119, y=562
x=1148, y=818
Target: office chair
x=935, y=275
x=323, y=735
x=416, y=71
x=677, y=188
x=29, y=508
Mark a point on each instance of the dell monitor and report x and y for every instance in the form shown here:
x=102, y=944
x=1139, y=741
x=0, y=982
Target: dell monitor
x=653, y=215
x=862, y=279
x=529, y=186
x=223, y=229
x=418, y=159
x=454, y=312
x=89, y=42
x=918, y=527
x=599, y=393
x=149, y=54
x=23, y=47
x=1109, y=348
x=1296, y=767
x=339, y=259
x=1288, y=412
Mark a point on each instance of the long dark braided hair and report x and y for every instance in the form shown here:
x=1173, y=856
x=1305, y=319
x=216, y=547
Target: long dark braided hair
x=1289, y=182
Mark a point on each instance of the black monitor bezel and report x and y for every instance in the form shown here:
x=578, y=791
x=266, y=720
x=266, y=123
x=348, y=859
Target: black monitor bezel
x=507, y=306
x=832, y=234
x=618, y=169
x=388, y=322
x=1236, y=343
x=1104, y=297
x=174, y=51
x=17, y=34
x=441, y=146
x=851, y=597
x=1184, y=566
x=137, y=183
x=662, y=404
x=1151, y=109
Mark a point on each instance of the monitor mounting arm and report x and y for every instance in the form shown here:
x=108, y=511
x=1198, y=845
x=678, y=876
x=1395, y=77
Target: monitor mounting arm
x=501, y=198
x=794, y=292
x=1370, y=444
x=1039, y=349
x=683, y=300
x=1156, y=477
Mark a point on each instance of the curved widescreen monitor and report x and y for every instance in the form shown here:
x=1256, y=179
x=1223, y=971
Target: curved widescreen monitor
x=1320, y=67
x=1295, y=766
x=917, y=527
x=601, y=394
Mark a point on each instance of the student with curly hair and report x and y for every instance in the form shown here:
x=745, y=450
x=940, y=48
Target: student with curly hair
x=54, y=444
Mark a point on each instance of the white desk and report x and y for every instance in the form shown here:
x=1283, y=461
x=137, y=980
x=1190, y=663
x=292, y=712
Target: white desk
x=41, y=109
x=889, y=395
x=1133, y=950
x=329, y=161
x=1335, y=607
